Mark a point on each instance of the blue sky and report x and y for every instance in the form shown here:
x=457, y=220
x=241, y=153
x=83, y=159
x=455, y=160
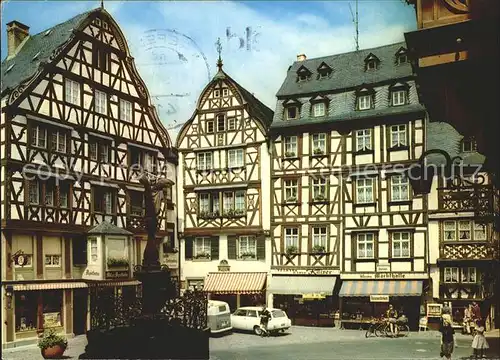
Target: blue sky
x=173, y=42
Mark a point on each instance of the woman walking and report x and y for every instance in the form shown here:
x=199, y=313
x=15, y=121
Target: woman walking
x=447, y=336
x=479, y=343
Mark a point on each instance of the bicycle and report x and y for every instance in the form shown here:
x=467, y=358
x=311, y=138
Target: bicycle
x=376, y=328
x=401, y=330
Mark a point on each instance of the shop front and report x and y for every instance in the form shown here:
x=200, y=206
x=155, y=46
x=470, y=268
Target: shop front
x=237, y=288
x=307, y=300
x=362, y=301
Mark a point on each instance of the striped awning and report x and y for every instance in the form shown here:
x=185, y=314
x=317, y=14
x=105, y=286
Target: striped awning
x=297, y=285
x=381, y=287
x=235, y=282
x=115, y=283
x=49, y=286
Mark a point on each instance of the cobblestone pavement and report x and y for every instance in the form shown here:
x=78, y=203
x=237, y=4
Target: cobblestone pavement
x=303, y=343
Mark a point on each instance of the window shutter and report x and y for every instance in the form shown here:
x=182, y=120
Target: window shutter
x=261, y=247
x=214, y=244
x=188, y=253
x=231, y=247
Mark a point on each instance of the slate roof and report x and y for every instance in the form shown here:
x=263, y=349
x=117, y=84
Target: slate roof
x=41, y=44
x=443, y=136
x=106, y=228
x=348, y=71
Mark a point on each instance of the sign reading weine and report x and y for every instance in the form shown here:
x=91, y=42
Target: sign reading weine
x=379, y=298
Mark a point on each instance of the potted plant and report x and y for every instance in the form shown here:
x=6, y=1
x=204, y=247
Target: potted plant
x=239, y=212
x=289, y=154
x=52, y=345
x=318, y=151
x=117, y=263
x=320, y=197
x=202, y=255
x=291, y=199
x=247, y=255
x=292, y=249
x=318, y=249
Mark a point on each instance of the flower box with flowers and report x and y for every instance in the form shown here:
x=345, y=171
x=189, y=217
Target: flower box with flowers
x=117, y=263
x=291, y=199
x=247, y=256
x=234, y=213
x=318, y=249
x=202, y=256
x=319, y=198
x=292, y=250
x=318, y=151
x=209, y=214
x=290, y=154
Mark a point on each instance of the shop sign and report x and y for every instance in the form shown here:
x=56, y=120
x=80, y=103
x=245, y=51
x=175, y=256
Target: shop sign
x=384, y=275
x=172, y=260
x=434, y=310
x=91, y=274
x=313, y=296
x=51, y=319
x=379, y=298
x=310, y=271
x=383, y=268
x=390, y=275
x=117, y=274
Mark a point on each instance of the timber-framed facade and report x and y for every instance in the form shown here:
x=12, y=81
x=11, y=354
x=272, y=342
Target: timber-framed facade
x=78, y=129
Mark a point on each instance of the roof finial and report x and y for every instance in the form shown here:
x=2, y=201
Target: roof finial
x=219, y=50
x=102, y=4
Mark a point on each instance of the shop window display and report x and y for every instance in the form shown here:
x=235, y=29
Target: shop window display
x=26, y=311
x=52, y=308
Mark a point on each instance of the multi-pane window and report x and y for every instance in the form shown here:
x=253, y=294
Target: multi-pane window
x=93, y=151
x=39, y=136
x=403, y=58
x=202, y=247
x=99, y=151
x=292, y=237
x=34, y=192
x=479, y=232
x=292, y=112
x=125, y=110
x=399, y=188
x=239, y=201
x=64, y=195
x=103, y=201
x=217, y=93
x=231, y=124
x=136, y=203
x=319, y=188
x=53, y=260
x=451, y=275
x=49, y=194
x=365, y=246
x=364, y=102
x=398, y=135
x=228, y=201
x=371, y=65
x=221, y=122
x=319, y=143
x=225, y=92
x=204, y=202
x=398, y=97
x=364, y=191
x=319, y=109
x=104, y=153
x=204, y=161
x=149, y=162
x=464, y=230
x=291, y=190
x=59, y=141
x=72, y=92
x=468, y=145
x=94, y=255
x=400, y=244
x=468, y=275
x=462, y=275
x=247, y=246
x=290, y=146
x=319, y=234
x=450, y=231
x=363, y=140
x=235, y=158
x=101, y=102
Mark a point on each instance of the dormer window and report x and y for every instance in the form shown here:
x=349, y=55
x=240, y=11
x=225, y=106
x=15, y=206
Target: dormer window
x=364, y=102
x=468, y=145
x=318, y=109
x=401, y=56
x=371, y=62
x=371, y=65
x=324, y=71
x=398, y=97
x=303, y=74
x=292, y=113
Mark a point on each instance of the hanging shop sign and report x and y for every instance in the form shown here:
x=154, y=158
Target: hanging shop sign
x=379, y=298
x=434, y=310
x=172, y=260
x=313, y=296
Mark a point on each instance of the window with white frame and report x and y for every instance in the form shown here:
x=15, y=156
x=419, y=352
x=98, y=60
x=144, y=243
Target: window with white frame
x=468, y=275
x=363, y=140
x=204, y=202
x=210, y=126
x=149, y=162
x=235, y=158
x=464, y=230
x=217, y=93
x=398, y=97
x=64, y=196
x=291, y=237
x=93, y=151
x=39, y=136
x=319, y=109
x=319, y=143
x=59, y=141
x=104, y=153
x=49, y=194
x=247, y=247
x=468, y=145
x=319, y=235
x=72, y=92
x=231, y=124
x=450, y=231
x=103, y=200
x=364, y=191
x=319, y=188
x=228, y=201
x=291, y=146
x=479, y=232
x=136, y=199
x=365, y=246
x=101, y=102
x=202, y=247
x=450, y=275
x=291, y=190
x=94, y=254
x=402, y=58
x=401, y=244
x=53, y=260
x=125, y=110
x=225, y=92
x=239, y=201
x=364, y=102
x=398, y=135
x=371, y=65
x=221, y=122
x=204, y=161
x=292, y=112
x=400, y=188
x=34, y=192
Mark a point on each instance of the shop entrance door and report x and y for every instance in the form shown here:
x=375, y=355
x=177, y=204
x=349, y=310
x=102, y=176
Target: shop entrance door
x=80, y=301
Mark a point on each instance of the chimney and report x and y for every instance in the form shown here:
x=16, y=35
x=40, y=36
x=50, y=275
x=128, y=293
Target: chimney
x=16, y=33
x=301, y=57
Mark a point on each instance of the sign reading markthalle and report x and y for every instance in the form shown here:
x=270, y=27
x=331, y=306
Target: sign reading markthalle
x=379, y=298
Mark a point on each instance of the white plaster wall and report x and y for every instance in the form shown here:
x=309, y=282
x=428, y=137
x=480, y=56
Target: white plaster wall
x=265, y=201
x=433, y=236
x=434, y=275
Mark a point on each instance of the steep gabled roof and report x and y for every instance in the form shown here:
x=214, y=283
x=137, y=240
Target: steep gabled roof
x=43, y=44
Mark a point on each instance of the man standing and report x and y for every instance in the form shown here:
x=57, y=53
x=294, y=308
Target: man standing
x=392, y=316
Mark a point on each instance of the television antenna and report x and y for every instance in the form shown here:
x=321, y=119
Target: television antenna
x=355, y=20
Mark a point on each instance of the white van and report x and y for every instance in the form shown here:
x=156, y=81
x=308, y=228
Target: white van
x=219, y=316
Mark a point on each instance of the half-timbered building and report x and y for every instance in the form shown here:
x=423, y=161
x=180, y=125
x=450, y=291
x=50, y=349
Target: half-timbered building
x=223, y=187
x=462, y=246
x=345, y=128
x=77, y=130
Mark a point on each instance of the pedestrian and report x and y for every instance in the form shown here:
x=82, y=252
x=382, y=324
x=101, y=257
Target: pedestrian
x=392, y=316
x=447, y=336
x=479, y=343
x=467, y=319
x=476, y=313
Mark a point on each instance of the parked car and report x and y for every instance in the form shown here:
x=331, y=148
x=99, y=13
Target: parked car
x=248, y=319
x=219, y=316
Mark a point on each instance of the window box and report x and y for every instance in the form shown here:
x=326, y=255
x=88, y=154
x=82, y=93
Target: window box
x=248, y=256
x=318, y=249
x=290, y=154
x=202, y=256
x=234, y=213
x=292, y=250
x=318, y=151
x=320, y=198
x=291, y=199
x=209, y=214
x=118, y=263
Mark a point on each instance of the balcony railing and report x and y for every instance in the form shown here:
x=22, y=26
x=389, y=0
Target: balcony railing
x=470, y=250
x=467, y=198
